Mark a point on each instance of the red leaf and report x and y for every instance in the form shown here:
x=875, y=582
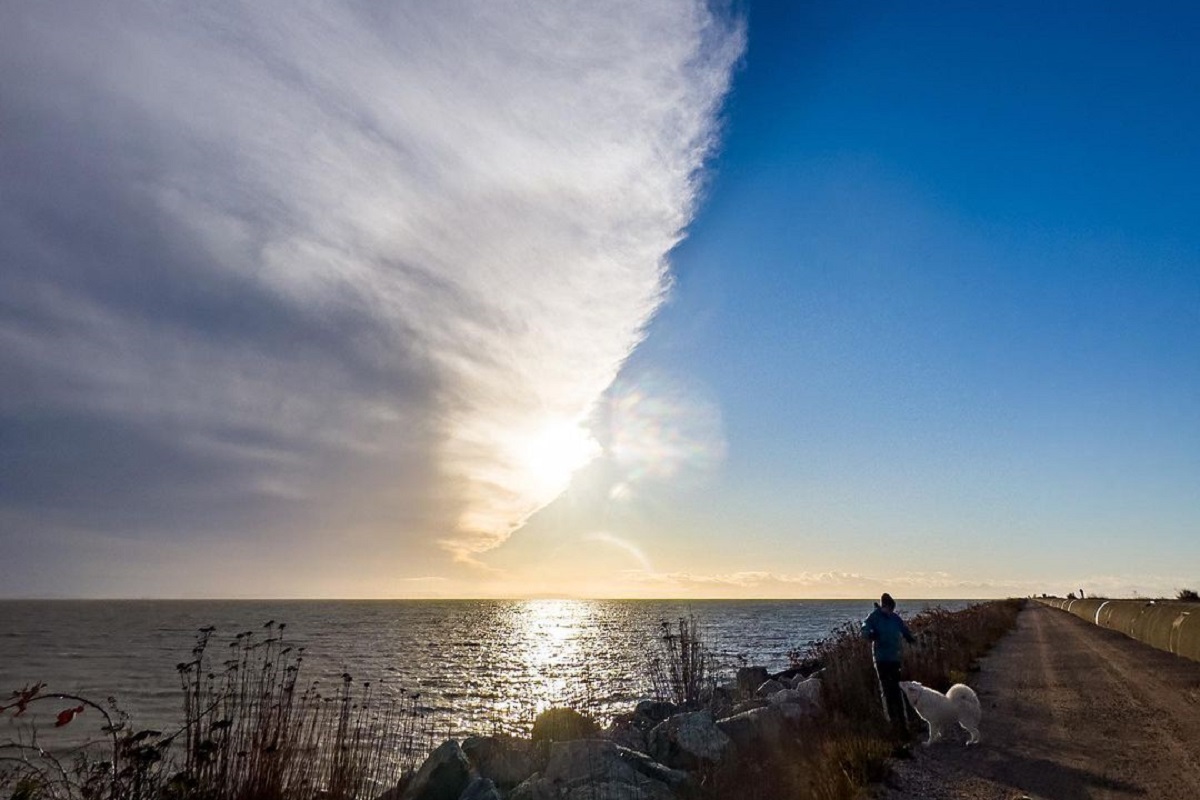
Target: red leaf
x=66, y=715
x=23, y=698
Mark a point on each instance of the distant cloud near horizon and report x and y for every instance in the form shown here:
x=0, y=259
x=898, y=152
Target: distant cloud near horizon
x=276, y=270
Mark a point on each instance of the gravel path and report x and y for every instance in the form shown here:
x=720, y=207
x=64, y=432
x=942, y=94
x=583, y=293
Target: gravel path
x=1071, y=711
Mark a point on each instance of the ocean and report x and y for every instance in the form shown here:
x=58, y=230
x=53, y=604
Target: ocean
x=479, y=666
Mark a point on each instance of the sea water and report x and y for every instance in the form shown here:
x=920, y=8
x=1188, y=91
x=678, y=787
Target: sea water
x=478, y=666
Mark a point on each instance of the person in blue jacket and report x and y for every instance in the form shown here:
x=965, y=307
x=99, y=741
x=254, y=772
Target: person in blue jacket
x=885, y=630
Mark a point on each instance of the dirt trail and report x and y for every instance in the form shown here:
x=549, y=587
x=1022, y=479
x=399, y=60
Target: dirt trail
x=1071, y=711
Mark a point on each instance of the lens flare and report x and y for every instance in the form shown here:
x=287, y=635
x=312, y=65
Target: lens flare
x=661, y=431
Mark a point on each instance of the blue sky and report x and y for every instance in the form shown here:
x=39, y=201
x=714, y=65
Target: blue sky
x=950, y=294
x=398, y=305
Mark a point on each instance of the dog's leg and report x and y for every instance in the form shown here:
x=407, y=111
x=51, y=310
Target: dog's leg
x=974, y=731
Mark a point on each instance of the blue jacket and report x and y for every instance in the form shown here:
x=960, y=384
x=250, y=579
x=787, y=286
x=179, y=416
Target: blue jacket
x=885, y=632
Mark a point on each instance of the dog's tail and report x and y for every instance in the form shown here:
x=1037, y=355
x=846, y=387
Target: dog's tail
x=962, y=695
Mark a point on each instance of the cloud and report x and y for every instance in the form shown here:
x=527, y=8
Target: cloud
x=268, y=260
x=831, y=584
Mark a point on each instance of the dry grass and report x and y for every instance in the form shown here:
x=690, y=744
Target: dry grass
x=833, y=756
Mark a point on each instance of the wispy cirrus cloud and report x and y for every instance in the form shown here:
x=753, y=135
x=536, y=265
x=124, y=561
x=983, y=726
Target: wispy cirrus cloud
x=261, y=259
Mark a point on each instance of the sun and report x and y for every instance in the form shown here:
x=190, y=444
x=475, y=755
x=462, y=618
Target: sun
x=551, y=454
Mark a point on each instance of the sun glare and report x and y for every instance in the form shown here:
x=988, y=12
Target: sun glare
x=553, y=453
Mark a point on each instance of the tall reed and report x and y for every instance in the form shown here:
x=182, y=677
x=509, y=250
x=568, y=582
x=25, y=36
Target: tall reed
x=680, y=663
x=251, y=731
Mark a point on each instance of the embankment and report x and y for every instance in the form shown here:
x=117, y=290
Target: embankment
x=1166, y=624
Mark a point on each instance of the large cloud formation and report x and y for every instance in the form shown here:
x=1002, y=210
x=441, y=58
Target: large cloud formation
x=274, y=263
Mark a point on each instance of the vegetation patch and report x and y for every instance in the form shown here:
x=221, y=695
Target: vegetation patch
x=833, y=755
x=251, y=731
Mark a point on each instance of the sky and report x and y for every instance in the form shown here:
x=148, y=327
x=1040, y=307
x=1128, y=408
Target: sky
x=598, y=299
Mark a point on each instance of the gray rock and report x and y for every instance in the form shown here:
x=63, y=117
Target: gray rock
x=654, y=711
x=593, y=759
x=810, y=689
x=618, y=791
x=595, y=769
x=790, y=696
x=769, y=727
x=480, y=789
x=768, y=688
x=627, y=732
x=505, y=760
x=750, y=678
x=534, y=789
x=688, y=741
x=793, y=712
x=747, y=705
x=443, y=776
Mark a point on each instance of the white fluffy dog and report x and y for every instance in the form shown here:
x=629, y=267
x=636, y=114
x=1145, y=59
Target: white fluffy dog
x=960, y=704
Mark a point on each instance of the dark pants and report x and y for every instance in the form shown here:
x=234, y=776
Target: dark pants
x=893, y=697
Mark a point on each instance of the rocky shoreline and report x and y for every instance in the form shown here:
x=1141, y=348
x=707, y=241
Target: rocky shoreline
x=657, y=751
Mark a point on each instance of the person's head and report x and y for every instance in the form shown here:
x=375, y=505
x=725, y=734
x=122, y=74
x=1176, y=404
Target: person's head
x=886, y=602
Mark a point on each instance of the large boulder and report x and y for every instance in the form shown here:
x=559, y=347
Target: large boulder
x=480, y=788
x=688, y=741
x=563, y=725
x=806, y=698
x=793, y=704
x=628, y=731
x=651, y=712
x=504, y=760
x=595, y=769
x=443, y=776
x=750, y=678
x=632, y=729
x=768, y=688
x=769, y=728
x=746, y=705
x=785, y=696
x=810, y=690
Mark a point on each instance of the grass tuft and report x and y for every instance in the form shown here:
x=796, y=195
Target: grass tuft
x=680, y=664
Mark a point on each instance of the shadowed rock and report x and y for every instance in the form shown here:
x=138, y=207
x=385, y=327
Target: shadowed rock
x=653, y=711
x=505, y=760
x=595, y=768
x=443, y=776
x=480, y=789
x=750, y=678
x=767, y=728
x=688, y=741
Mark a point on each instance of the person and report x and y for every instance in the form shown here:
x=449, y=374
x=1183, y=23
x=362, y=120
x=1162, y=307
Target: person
x=885, y=630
